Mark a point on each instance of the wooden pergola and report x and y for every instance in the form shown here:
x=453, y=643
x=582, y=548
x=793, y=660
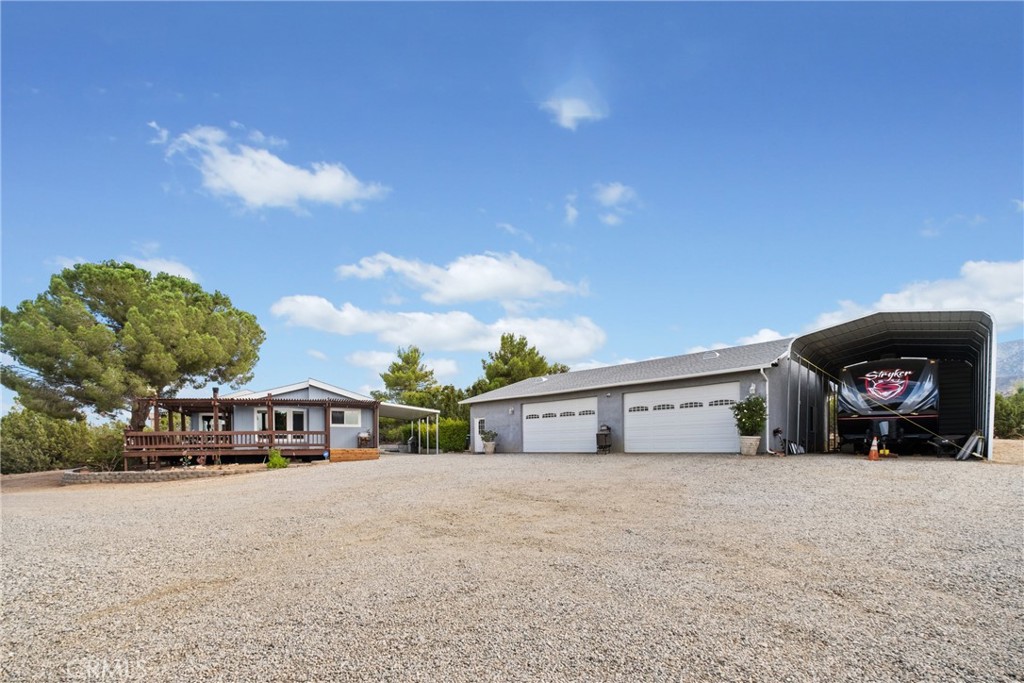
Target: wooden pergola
x=175, y=441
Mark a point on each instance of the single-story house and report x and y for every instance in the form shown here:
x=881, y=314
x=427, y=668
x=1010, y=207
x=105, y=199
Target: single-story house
x=681, y=404
x=309, y=419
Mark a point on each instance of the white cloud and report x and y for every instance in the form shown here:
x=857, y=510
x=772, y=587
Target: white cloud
x=449, y=331
x=478, y=277
x=613, y=195
x=571, y=212
x=701, y=348
x=442, y=367
x=617, y=198
x=993, y=286
x=594, y=364
x=313, y=353
x=763, y=335
x=161, y=134
x=568, y=112
x=162, y=265
x=260, y=179
x=66, y=261
x=258, y=138
x=1018, y=204
x=377, y=361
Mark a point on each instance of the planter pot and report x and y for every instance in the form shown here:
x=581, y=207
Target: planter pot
x=749, y=444
x=489, y=447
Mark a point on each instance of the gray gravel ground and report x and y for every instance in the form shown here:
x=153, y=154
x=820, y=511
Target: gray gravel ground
x=512, y=568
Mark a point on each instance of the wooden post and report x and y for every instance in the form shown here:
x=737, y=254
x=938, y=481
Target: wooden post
x=327, y=427
x=270, y=419
x=376, y=425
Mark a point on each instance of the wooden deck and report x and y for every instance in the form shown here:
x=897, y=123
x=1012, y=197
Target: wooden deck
x=154, y=446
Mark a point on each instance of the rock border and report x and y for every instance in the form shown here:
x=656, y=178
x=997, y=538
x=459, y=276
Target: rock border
x=77, y=476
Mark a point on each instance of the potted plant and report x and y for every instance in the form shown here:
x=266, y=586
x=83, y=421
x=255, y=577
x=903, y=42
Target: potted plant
x=751, y=415
x=490, y=439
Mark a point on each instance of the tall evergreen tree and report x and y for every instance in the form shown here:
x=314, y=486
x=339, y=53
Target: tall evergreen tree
x=104, y=334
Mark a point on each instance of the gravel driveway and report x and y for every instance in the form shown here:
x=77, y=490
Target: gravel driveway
x=508, y=568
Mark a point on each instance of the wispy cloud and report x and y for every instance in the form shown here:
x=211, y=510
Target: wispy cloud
x=314, y=353
x=571, y=212
x=161, y=136
x=613, y=195
x=515, y=232
x=506, y=278
x=935, y=228
x=617, y=199
x=559, y=339
x=575, y=101
x=1018, y=204
x=260, y=179
x=569, y=112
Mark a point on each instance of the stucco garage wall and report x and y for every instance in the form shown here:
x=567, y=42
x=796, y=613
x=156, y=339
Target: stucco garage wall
x=609, y=407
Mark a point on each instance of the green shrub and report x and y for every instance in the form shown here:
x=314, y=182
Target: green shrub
x=1009, y=415
x=33, y=442
x=452, y=437
x=751, y=414
x=275, y=460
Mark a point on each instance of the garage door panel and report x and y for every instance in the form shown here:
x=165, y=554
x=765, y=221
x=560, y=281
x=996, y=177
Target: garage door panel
x=687, y=420
x=568, y=426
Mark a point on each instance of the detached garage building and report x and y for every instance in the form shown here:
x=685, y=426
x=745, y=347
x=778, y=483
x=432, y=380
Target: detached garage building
x=681, y=404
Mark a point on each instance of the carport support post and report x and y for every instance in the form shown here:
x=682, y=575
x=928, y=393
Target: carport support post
x=437, y=433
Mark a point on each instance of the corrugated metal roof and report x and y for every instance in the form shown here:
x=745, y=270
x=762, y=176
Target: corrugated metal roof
x=948, y=335
x=716, y=362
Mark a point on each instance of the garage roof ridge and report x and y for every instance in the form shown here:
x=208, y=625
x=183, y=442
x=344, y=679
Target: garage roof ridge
x=698, y=364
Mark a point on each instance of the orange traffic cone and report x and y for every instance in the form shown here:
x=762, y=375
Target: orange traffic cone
x=873, y=453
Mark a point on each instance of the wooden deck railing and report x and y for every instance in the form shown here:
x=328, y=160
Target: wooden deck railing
x=180, y=442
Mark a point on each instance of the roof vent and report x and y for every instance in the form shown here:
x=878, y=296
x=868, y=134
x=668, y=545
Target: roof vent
x=708, y=355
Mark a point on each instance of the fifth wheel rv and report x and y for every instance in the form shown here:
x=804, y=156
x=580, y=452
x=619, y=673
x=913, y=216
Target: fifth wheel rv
x=896, y=401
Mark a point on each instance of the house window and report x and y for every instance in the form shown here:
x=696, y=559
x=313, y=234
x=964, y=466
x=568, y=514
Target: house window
x=346, y=418
x=587, y=412
x=549, y=415
x=533, y=416
x=568, y=413
x=722, y=402
x=692, y=404
x=285, y=420
x=638, y=409
x=665, y=406
x=206, y=422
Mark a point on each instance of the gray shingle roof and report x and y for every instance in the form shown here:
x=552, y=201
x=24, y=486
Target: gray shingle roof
x=719, y=361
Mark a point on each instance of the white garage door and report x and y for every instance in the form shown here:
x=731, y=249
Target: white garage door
x=690, y=420
x=560, y=426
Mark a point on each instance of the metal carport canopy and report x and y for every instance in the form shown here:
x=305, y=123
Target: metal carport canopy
x=952, y=335
x=403, y=412
x=945, y=335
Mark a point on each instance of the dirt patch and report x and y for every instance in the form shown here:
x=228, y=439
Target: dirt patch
x=30, y=481
x=34, y=481
x=1008, y=451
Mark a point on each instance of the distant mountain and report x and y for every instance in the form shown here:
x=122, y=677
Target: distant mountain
x=1009, y=365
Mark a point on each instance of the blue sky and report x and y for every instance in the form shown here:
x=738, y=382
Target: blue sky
x=615, y=181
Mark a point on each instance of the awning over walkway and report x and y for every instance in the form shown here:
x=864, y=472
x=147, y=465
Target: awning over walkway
x=403, y=412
